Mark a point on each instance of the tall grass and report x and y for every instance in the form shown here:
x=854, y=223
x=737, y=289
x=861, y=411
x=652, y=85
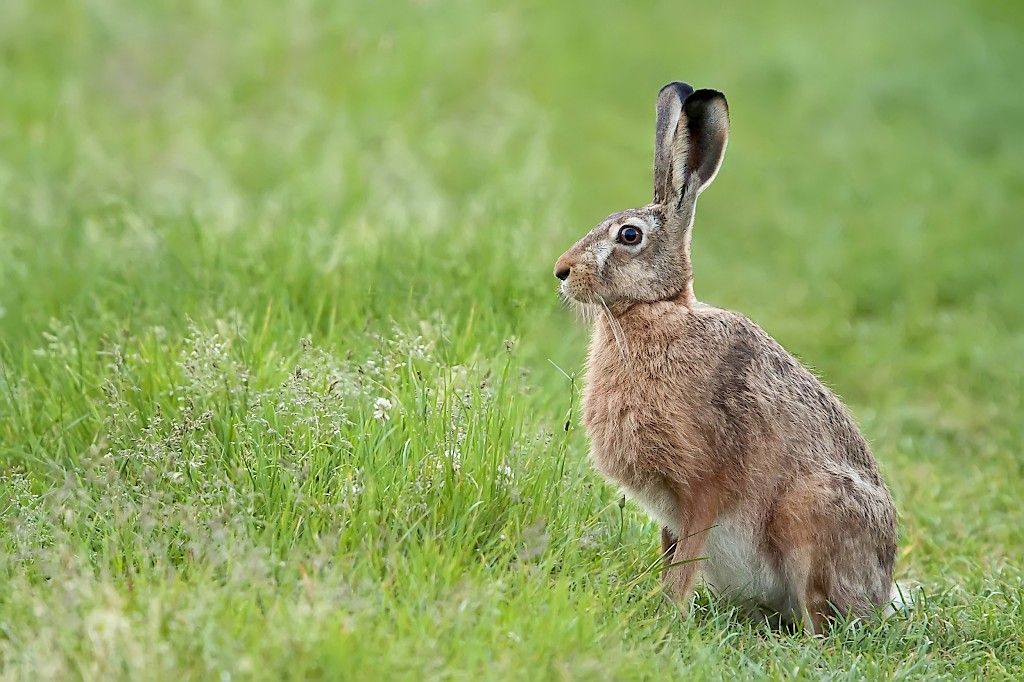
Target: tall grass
x=286, y=391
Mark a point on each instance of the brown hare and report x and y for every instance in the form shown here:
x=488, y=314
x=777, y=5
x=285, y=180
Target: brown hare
x=747, y=461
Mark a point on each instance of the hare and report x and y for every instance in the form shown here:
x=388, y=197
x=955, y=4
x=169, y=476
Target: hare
x=759, y=476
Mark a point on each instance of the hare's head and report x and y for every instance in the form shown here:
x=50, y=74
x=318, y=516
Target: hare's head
x=643, y=254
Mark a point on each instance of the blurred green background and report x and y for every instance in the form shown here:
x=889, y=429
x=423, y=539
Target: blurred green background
x=281, y=387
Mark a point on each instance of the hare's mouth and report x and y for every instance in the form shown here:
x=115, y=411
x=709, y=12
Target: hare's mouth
x=586, y=312
x=574, y=293
x=581, y=287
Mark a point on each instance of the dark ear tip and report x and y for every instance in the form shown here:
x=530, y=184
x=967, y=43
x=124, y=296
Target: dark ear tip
x=705, y=96
x=682, y=90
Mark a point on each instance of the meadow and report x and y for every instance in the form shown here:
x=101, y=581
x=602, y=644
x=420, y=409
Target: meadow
x=287, y=392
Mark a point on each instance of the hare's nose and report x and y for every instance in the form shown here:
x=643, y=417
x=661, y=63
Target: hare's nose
x=563, y=266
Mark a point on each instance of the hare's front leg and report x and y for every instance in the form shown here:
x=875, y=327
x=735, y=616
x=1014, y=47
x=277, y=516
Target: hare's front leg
x=698, y=514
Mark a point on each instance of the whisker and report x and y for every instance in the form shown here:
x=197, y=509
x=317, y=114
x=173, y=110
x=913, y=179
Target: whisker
x=585, y=312
x=617, y=333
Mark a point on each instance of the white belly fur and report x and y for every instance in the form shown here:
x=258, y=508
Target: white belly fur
x=734, y=566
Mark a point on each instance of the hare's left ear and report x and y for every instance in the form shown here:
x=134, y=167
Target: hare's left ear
x=690, y=139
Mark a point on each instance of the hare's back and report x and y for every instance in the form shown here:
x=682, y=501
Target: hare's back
x=762, y=396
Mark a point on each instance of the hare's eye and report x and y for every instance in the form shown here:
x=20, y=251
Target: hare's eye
x=629, y=235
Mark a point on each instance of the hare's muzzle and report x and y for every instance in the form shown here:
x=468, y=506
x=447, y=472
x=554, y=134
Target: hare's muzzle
x=563, y=267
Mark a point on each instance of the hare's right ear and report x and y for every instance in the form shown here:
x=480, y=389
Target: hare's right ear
x=690, y=138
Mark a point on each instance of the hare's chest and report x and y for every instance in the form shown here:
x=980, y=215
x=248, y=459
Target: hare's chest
x=628, y=439
x=618, y=431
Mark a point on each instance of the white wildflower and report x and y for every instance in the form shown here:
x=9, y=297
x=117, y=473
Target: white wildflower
x=381, y=409
x=454, y=458
x=353, y=486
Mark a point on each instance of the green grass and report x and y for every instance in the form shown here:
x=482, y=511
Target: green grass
x=280, y=392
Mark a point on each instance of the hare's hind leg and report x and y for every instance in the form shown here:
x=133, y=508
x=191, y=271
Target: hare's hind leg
x=808, y=597
x=839, y=579
x=815, y=609
x=816, y=612
x=837, y=538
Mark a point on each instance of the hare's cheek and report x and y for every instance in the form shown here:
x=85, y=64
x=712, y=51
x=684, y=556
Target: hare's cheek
x=591, y=284
x=601, y=254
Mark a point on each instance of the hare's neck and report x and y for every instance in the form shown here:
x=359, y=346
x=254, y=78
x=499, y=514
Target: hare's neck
x=609, y=343
x=686, y=296
x=620, y=337
x=618, y=334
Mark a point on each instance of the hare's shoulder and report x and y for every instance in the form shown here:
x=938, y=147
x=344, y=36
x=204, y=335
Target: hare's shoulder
x=738, y=346
x=722, y=340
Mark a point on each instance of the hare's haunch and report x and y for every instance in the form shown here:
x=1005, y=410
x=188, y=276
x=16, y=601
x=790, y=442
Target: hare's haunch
x=734, y=447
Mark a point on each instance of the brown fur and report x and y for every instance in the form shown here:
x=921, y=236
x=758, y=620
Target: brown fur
x=732, y=445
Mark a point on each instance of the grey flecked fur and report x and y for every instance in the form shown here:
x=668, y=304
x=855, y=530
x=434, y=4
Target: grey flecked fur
x=740, y=452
